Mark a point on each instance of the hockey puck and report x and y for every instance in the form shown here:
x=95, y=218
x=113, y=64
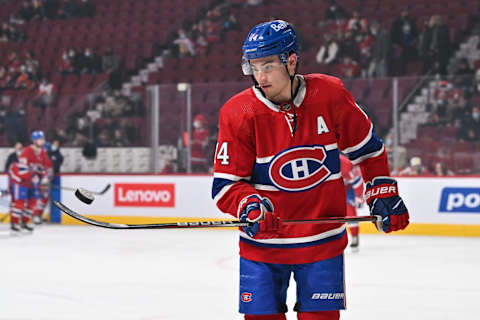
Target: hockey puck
x=84, y=196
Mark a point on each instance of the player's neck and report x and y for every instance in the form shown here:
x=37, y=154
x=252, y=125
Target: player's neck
x=288, y=94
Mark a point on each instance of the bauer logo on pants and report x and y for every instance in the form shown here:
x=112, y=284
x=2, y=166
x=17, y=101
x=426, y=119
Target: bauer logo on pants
x=465, y=200
x=145, y=195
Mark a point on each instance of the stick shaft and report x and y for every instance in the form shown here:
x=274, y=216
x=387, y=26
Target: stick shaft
x=199, y=224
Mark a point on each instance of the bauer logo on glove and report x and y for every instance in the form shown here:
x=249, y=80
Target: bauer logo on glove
x=383, y=200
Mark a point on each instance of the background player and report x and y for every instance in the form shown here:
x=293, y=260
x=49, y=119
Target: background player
x=352, y=178
x=31, y=170
x=277, y=156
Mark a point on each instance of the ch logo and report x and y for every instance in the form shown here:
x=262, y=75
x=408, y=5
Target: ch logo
x=299, y=168
x=246, y=297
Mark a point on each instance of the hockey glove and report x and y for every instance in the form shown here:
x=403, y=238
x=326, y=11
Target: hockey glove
x=383, y=199
x=258, y=211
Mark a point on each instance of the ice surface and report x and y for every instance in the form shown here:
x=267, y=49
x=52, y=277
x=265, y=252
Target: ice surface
x=66, y=272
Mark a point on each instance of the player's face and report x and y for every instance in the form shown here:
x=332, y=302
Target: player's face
x=39, y=143
x=272, y=77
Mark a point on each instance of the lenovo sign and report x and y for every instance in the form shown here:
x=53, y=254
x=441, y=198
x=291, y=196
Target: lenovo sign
x=144, y=195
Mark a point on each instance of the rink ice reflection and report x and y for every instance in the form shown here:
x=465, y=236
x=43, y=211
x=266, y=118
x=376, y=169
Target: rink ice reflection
x=66, y=272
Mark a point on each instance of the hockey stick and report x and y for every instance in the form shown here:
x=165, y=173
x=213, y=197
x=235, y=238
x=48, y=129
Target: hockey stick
x=206, y=224
x=97, y=193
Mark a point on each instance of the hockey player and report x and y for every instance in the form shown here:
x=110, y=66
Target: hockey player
x=31, y=170
x=352, y=178
x=277, y=157
x=43, y=192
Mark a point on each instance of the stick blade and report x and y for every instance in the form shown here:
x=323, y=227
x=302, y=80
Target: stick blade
x=86, y=220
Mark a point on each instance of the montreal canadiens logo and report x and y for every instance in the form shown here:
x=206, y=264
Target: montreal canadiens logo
x=246, y=297
x=299, y=169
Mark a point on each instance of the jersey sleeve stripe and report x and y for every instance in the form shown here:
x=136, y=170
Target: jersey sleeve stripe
x=362, y=143
x=368, y=156
x=219, y=188
x=296, y=242
x=372, y=146
x=228, y=176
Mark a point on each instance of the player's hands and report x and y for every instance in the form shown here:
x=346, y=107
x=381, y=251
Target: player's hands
x=35, y=180
x=45, y=182
x=383, y=199
x=259, y=211
x=39, y=169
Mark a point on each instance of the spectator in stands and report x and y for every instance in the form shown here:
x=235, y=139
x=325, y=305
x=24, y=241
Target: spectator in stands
x=381, y=50
x=26, y=13
x=23, y=81
x=45, y=94
x=441, y=170
x=56, y=156
x=110, y=61
x=253, y=3
x=327, y=54
x=458, y=110
x=184, y=44
x=401, y=153
x=350, y=68
x=3, y=78
x=68, y=9
x=66, y=66
x=357, y=24
x=436, y=45
x=349, y=47
x=128, y=130
x=86, y=9
x=334, y=11
x=464, y=75
x=38, y=9
x=91, y=62
x=415, y=169
x=476, y=84
x=13, y=157
x=231, y=23
x=16, y=126
x=119, y=139
x=470, y=128
x=404, y=33
x=4, y=32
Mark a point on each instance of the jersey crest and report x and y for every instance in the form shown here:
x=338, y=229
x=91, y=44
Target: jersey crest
x=299, y=168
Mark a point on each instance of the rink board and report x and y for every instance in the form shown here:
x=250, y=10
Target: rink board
x=438, y=206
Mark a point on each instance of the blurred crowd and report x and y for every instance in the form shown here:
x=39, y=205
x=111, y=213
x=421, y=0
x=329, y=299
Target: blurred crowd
x=20, y=72
x=354, y=46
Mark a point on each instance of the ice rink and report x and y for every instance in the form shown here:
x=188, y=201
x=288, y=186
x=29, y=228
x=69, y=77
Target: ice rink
x=66, y=272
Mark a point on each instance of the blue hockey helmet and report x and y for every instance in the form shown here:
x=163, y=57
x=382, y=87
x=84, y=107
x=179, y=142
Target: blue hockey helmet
x=38, y=134
x=267, y=39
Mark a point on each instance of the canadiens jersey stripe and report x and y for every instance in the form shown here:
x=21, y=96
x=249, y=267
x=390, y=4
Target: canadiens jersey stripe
x=300, y=242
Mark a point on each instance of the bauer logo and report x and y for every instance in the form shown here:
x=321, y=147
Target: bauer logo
x=144, y=195
x=461, y=200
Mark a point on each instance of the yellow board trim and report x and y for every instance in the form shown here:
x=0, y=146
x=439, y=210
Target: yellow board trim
x=430, y=229
x=424, y=229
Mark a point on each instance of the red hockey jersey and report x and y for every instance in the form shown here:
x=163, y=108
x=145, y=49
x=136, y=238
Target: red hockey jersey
x=31, y=163
x=266, y=149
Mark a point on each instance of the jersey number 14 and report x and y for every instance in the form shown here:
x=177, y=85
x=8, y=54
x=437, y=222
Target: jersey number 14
x=222, y=153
